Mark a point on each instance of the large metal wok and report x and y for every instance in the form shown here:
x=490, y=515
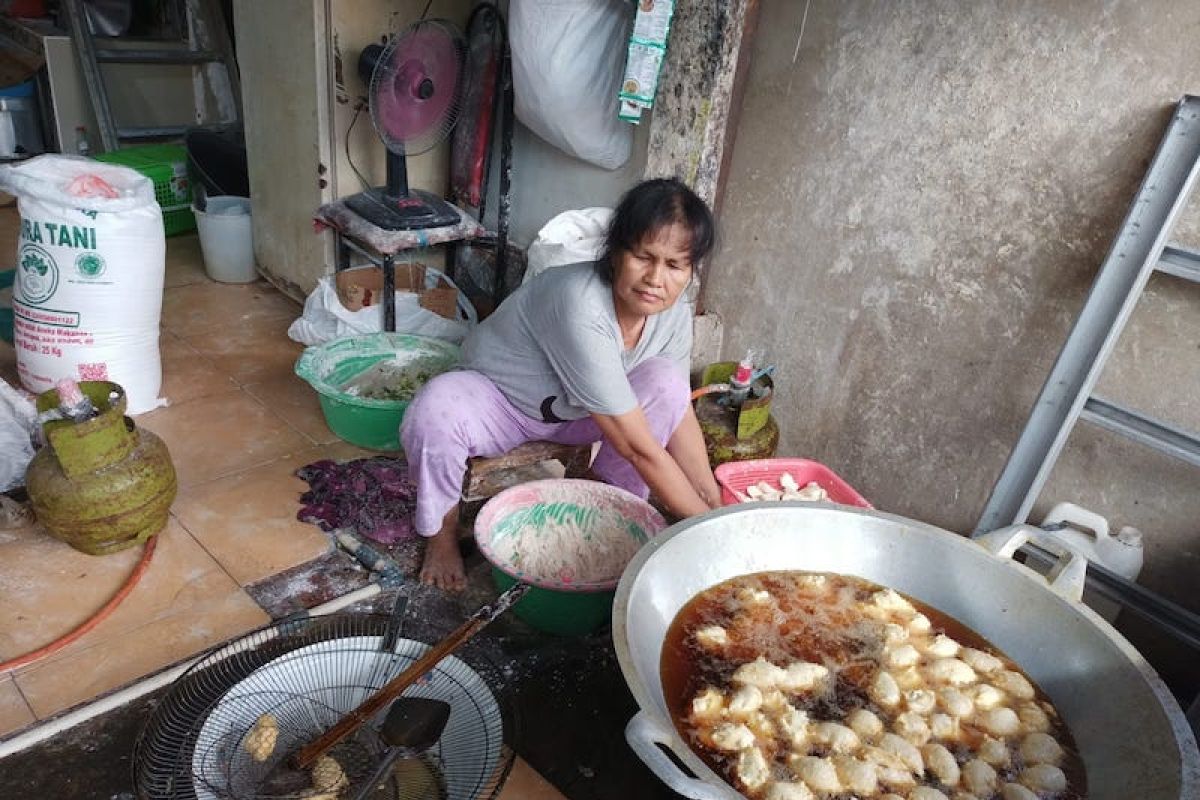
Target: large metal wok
x=1131, y=733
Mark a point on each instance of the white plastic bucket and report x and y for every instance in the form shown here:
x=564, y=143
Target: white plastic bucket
x=226, y=240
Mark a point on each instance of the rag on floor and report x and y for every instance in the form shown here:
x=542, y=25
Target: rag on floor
x=372, y=496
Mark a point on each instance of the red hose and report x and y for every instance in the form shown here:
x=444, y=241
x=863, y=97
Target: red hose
x=94, y=620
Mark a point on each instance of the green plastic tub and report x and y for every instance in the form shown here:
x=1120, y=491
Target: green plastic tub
x=564, y=604
x=398, y=360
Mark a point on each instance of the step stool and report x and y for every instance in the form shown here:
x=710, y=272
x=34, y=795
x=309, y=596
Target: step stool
x=487, y=477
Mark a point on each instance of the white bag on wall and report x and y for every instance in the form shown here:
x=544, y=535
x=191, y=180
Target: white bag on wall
x=568, y=57
x=89, y=286
x=569, y=238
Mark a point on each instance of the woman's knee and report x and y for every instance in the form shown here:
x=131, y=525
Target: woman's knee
x=660, y=381
x=441, y=405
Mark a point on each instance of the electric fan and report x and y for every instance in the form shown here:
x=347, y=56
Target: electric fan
x=415, y=89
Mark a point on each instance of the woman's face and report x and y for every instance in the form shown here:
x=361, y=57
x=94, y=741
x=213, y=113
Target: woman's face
x=649, y=278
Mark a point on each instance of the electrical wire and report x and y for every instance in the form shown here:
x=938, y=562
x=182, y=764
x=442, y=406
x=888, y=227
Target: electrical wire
x=362, y=103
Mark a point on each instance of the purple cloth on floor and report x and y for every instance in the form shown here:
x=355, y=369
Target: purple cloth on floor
x=371, y=495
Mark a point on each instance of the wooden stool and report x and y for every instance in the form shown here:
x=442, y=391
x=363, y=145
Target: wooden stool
x=487, y=477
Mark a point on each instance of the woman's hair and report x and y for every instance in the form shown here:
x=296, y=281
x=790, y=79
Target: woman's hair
x=648, y=208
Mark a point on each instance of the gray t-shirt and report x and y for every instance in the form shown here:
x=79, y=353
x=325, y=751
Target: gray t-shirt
x=555, y=350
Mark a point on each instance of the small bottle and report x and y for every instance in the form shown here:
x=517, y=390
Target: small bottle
x=82, y=145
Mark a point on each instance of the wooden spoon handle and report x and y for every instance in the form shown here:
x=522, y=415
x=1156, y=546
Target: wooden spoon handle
x=417, y=670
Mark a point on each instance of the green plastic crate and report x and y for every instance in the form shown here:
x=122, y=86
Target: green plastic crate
x=166, y=166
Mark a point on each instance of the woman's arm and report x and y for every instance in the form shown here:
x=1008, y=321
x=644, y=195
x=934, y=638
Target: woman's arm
x=630, y=434
x=687, y=448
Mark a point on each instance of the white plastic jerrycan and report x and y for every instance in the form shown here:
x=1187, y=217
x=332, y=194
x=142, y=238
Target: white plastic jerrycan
x=1087, y=533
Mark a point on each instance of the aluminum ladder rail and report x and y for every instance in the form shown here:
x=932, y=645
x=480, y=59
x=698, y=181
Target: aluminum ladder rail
x=1139, y=249
x=207, y=47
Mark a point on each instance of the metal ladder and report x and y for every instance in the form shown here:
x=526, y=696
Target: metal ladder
x=1139, y=249
x=207, y=47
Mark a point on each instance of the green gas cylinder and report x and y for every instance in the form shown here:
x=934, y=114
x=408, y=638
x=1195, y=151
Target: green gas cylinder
x=100, y=485
x=736, y=432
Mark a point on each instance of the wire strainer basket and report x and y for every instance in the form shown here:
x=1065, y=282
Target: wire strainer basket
x=301, y=677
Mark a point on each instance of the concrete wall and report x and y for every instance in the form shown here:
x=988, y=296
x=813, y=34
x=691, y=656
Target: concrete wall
x=921, y=193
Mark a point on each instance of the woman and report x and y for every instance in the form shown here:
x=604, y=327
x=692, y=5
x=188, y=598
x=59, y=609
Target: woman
x=582, y=353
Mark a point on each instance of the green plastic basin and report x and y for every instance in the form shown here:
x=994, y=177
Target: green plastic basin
x=562, y=605
x=369, y=422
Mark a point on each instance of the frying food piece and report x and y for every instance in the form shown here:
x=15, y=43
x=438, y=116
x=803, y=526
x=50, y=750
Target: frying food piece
x=818, y=773
x=864, y=723
x=884, y=689
x=1015, y=791
x=760, y=673
x=956, y=702
x=1041, y=748
x=1044, y=778
x=894, y=634
x=994, y=752
x=950, y=670
x=260, y=741
x=979, y=660
x=712, y=637
x=942, y=764
x=942, y=646
x=912, y=726
x=794, y=725
x=860, y=777
x=802, y=676
x=943, y=726
x=732, y=737
x=926, y=793
x=328, y=775
x=745, y=701
x=812, y=584
x=752, y=768
x=1033, y=718
x=909, y=679
x=1015, y=684
x=785, y=790
x=905, y=750
x=761, y=726
x=753, y=597
x=979, y=777
x=1000, y=722
x=838, y=738
x=708, y=705
x=920, y=701
x=890, y=600
x=903, y=656
x=986, y=696
x=919, y=623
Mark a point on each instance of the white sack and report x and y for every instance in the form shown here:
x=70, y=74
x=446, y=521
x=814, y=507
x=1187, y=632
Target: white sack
x=569, y=238
x=568, y=57
x=325, y=318
x=18, y=418
x=88, y=292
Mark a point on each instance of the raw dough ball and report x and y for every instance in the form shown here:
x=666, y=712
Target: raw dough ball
x=1041, y=748
x=732, y=737
x=752, y=768
x=1000, y=722
x=864, y=723
x=979, y=777
x=941, y=763
x=745, y=701
x=1044, y=778
x=884, y=689
x=943, y=726
x=857, y=776
x=986, y=696
x=712, y=637
x=328, y=776
x=260, y=741
x=1033, y=718
x=818, y=773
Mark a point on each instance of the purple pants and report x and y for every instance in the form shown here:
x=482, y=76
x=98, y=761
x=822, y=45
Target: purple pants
x=460, y=415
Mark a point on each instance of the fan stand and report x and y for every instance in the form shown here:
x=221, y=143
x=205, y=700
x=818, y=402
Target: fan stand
x=396, y=207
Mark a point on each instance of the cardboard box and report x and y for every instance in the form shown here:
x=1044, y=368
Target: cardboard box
x=362, y=287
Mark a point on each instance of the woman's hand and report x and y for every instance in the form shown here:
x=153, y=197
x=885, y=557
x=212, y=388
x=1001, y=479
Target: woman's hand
x=683, y=493
x=690, y=453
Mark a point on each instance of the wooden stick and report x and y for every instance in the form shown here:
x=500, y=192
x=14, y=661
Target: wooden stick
x=417, y=670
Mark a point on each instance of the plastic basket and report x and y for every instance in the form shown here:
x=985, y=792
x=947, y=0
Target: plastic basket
x=166, y=166
x=735, y=476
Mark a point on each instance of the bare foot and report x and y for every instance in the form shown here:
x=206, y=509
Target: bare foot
x=443, y=565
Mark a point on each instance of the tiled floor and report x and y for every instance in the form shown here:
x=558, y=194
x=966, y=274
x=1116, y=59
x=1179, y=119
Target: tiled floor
x=238, y=425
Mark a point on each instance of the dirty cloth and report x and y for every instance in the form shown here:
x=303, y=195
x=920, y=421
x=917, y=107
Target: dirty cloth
x=460, y=415
x=373, y=496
